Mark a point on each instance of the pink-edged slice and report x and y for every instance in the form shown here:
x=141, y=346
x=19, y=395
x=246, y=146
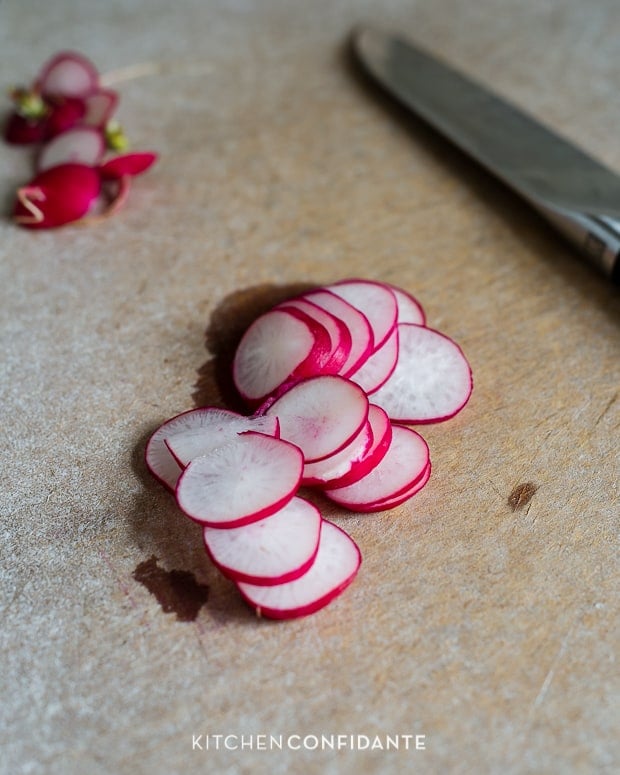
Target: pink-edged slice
x=403, y=465
x=375, y=300
x=340, y=463
x=336, y=564
x=68, y=74
x=198, y=431
x=321, y=415
x=240, y=482
x=362, y=340
x=432, y=380
x=278, y=346
x=99, y=107
x=379, y=365
x=274, y=550
x=79, y=145
x=409, y=309
x=381, y=440
x=396, y=500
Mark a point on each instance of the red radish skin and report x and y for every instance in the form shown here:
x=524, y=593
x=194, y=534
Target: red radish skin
x=336, y=564
x=64, y=114
x=274, y=550
x=23, y=131
x=341, y=463
x=130, y=164
x=397, y=500
x=240, y=482
x=210, y=423
x=432, y=380
x=321, y=415
x=80, y=145
x=403, y=465
x=69, y=74
x=379, y=366
x=375, y=300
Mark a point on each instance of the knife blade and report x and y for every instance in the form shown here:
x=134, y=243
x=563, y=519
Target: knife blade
x=574, y=192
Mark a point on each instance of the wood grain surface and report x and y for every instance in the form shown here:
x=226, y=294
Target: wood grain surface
x=484, y=616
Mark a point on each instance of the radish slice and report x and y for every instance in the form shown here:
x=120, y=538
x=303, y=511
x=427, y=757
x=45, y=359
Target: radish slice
x=379, y=366
x=390, y=503
x=403, y=465
x=432, y=380
x=273, y=550
x=242, y=481
x=195, y=432
x=340, y=463
x=64, y=115
x=409, y=309
x=381, y=440
x=321, y=415
x=362, y=341
x=80, y=145
x=374, y=300
x=337, y=330
x=335, y=566
x=100, y=106
x=279, y=345
x=129, y=164
x=68, y=74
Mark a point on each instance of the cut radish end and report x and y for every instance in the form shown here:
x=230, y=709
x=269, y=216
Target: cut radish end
x=274, y=550
x=242, y=481
x=68, y=74
x=341, y=463
x=129, y=164
x=379, y=366
x=23, y=131
x=390, y=503
x=403, y=465
x=80, y=145
x=432, y=380
x=100, y=107
x=321, y=415
x=381, y=440
x=279, y=345
x=375, y=300
x=362, y=340
x=64, y=115
x=409, y=309
x=335, y=566
x=57, y=196
x=207, y=422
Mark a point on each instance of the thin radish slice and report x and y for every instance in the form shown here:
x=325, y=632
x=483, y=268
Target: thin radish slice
x=129, y=164
x=321, y=415
x=100, y=106
x=337, y=330
x=273, y=550
x=341, y=463
x=362, y=340
x=80, y=145
x=375, y=300
x=403, y=465
x=390, y=503
x=242, y=481
x=409, y=309
x=279, y=345
x=69, y=74
x=205, y=423
x=432, y=380
x=335, y=566
x=379, y=366
x=381, y=440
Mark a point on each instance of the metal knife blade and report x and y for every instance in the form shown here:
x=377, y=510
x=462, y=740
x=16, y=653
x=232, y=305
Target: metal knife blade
x=577, y=194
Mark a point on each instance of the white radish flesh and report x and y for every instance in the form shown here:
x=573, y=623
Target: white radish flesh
x=68, y=74
x=432, y=380
x=335, y=566
x=273, y=550
x=240, y=482
x=340, y=463
x=321, y=415
x=375, y=300
x=80, y=145
x=403, y=465
x=379, y=365
x=409, y=309
x=99, y=107
x=390, y=503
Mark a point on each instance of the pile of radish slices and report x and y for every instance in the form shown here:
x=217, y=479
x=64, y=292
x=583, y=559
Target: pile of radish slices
x=333, y=378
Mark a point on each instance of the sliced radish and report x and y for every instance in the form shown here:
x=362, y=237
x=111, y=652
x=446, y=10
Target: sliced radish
x=99, y=107
x=64, y=115
x=80, y=145
x=335, y=566
x=432, y=380
x=273, y=550
x=362, y=340
x=279, y=345
x=321, y=415
x=375, y=300
x=240, y=482
x=128, y=164
x=337, y=330
x=381, y=440
x=340, y=463
x=409, y=309
x=403, y=465
x=379, y=366
x=390, y=503
x=195, y=431
x=69, y=74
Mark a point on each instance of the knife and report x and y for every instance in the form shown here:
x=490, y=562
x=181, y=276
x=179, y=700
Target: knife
x=575, y=193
